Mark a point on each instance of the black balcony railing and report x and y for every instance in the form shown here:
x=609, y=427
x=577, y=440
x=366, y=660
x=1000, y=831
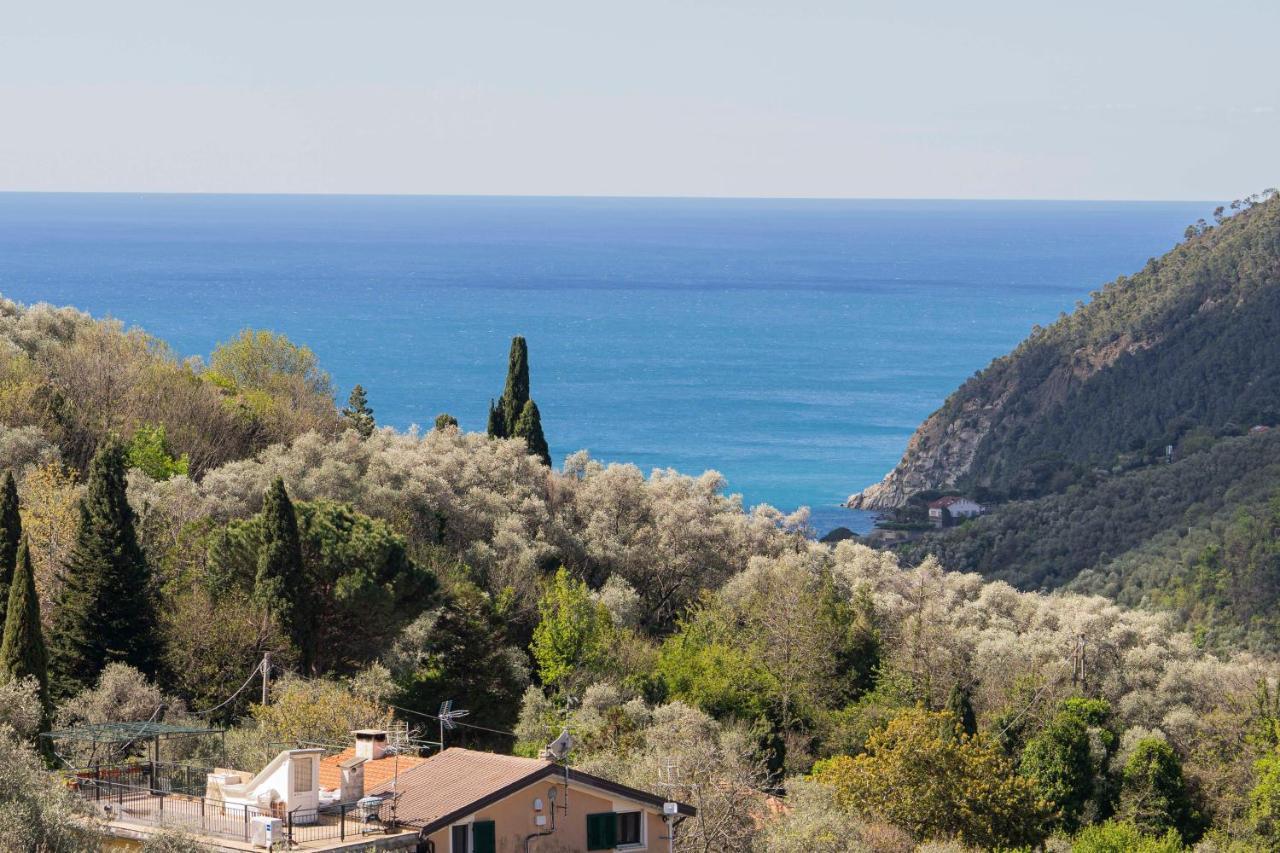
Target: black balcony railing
x=174, y=796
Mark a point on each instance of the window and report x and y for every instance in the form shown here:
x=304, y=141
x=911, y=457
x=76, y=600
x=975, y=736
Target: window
x=302, y=768
x=607, y=830
x=628, y=828
x=477, y=837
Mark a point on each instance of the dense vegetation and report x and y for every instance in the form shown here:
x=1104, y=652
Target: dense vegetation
x=803, y=697
x=1127, y=455
x=1047, y=542
x=1186, y=346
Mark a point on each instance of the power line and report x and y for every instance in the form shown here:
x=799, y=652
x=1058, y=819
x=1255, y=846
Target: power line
x=455, y=722
x=256, y=670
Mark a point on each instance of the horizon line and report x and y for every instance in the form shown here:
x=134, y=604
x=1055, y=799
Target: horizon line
x=604, y=197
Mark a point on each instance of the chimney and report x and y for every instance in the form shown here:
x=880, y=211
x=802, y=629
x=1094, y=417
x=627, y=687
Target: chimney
x=351, y=787
x=371, y=744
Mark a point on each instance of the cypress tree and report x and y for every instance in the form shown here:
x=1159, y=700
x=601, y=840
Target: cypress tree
x=516, y=415
x=496, y=428
x=105, y=613
x=357, y=414
x=281, y=585
x=22, y=652
x=10, y=536
x=516, y=392
x=960, y=704
x=529, y=427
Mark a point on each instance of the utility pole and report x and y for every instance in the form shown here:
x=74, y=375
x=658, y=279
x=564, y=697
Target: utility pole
x=266, y=675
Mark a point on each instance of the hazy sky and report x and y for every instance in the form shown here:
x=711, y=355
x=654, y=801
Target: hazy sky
x=791, y=98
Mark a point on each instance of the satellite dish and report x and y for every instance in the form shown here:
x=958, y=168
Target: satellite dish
x=559, y=748
x=551, y=794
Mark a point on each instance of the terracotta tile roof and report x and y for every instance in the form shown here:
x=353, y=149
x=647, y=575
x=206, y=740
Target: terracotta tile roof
x=452, y=784
x=376, y=772
x=458, y=779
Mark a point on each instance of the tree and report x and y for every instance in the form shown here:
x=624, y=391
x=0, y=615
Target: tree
x=302, y=710
x=937, y=786
x=529, y=427
x=444, y=420
x=10, y=536
x=259, y=360
x=22, y=652
x=574, y=635
x=516, y=392
x=105, y=613
x=1061, y=761
x=1153, y=793
x=149, y=452
x=39, y=811
x=1264, y=799
x=515, y=415
x=357, y=414
x=281, y=583
x=960, y=704
x=356, y=586
x=1119, y=837
x=460, y=651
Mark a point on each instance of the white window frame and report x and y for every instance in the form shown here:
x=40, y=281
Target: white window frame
x=619, y=807
x=469, y=820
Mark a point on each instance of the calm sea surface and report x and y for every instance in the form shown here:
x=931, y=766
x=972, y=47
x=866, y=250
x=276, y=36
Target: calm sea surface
x=791, y=345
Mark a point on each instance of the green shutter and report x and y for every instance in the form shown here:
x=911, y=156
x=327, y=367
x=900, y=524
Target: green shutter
x=602, y=831
x=483, y=837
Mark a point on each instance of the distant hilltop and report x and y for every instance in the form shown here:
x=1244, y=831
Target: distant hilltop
x=1188, y=345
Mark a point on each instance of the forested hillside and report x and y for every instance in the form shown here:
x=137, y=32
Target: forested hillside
x=802, y=697
x=1186, y=346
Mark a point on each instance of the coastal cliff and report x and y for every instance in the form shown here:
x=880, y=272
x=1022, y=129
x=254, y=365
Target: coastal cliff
x=1187, y=344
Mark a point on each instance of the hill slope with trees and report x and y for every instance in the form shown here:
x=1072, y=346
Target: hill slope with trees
x=1186, y=347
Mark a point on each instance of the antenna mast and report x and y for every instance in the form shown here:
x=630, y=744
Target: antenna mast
x=446, y=718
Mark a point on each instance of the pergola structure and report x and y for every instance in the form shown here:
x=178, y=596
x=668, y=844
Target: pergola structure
x=119, y=737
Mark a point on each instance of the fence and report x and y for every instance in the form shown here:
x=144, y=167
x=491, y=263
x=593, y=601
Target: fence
x=168, y=796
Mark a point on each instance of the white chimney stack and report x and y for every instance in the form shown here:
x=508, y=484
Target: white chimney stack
x=371, y=744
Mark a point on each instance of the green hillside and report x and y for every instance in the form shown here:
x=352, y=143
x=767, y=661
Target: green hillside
x=1076, y=428
x=1185, y=350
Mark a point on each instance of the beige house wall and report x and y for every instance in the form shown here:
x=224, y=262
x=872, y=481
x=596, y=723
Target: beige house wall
x=514, y=819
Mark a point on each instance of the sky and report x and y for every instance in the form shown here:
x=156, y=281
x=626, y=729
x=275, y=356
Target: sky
x=795, y=98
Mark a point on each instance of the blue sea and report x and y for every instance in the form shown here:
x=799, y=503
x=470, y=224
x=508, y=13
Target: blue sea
x=791, y=345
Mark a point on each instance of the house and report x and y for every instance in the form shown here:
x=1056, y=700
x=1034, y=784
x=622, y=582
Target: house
x=463, y=801
x=951, y=508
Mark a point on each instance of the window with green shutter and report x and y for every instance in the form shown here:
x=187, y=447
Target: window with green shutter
x=602, y=831
x=484, y=837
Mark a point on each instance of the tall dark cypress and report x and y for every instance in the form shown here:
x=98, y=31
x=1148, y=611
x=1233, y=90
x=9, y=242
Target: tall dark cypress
x=22, y=652
x=529, y=427
x=281, y=584
x=496, y=428
x=10, y=536
x=516, y=392
x=516, y=415
x=960, y=704
x=105, y=612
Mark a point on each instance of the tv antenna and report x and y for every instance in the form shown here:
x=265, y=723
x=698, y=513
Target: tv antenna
x=447, y=717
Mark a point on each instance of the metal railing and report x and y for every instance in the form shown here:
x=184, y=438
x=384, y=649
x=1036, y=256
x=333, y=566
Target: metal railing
x=341, y=821
x=168, y=795
x=197, y=815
